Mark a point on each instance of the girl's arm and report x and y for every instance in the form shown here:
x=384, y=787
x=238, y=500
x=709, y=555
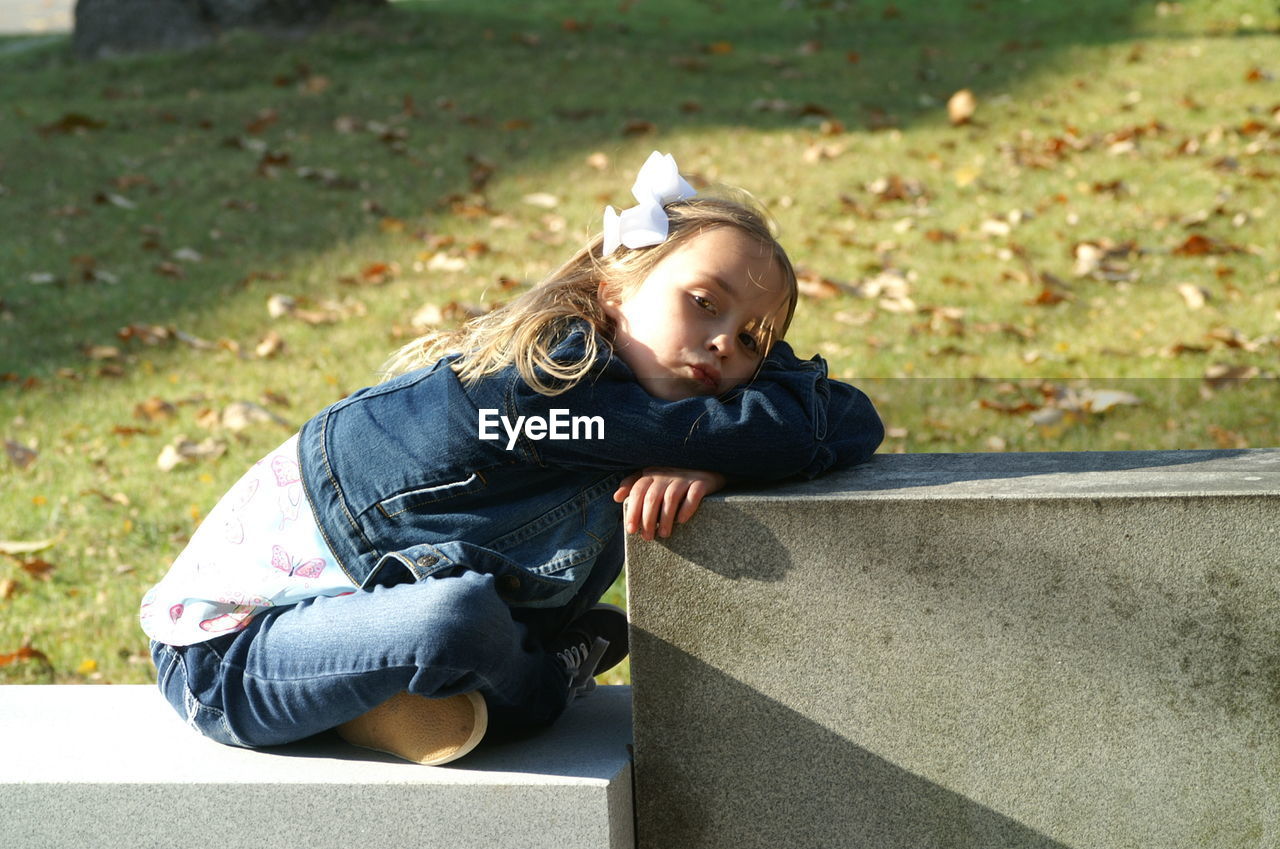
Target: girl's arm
x=792, y=420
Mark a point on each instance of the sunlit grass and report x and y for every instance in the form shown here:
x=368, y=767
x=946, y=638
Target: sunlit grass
x=389, y=162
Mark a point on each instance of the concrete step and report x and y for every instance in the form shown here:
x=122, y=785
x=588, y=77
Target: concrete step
x=113, y=766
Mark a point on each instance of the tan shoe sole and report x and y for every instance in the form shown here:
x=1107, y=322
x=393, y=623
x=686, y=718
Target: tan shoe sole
x=427, y=731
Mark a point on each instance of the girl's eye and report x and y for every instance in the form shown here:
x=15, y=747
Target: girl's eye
x=704, y=303
x=749, y=342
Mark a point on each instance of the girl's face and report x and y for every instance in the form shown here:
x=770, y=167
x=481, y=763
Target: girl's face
x=696, y=325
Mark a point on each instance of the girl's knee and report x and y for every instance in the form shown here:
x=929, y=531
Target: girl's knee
x=459, y=615
x=468, y=595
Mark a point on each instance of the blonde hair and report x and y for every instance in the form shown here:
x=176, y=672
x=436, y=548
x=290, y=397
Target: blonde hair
x=523, y=332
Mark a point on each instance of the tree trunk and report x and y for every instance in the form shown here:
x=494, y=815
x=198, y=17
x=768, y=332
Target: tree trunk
x=109, y=27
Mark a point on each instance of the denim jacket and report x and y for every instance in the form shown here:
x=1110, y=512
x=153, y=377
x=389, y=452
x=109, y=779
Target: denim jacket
x=403, y=488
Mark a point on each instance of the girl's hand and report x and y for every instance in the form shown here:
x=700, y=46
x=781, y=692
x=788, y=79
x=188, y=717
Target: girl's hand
x=659, y=496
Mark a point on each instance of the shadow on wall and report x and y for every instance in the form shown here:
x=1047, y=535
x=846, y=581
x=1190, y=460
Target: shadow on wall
x=803, y=785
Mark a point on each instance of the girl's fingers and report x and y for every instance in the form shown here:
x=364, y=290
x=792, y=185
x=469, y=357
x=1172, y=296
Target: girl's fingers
x=671, y=505
x=624, y=488
x=692, y=499
x=655, y=500
x=633, y=511
x=652, y=509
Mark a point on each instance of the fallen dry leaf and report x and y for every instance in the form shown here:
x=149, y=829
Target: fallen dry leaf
x=1100, y=400
x=544, y=200
x=279, y=305
x=27, y=547
x=1049, y=296
x=961, y=106
x=374, y=274
x=271, y=162
x=1220, y=375
x=891, y=289
x=1232, y=338
x=102, y=352
x=427, y=316
x=113, y=199
x=1105, y=260
x=19, y=454
x=1047, y=416
x=1179, y=348
x=260, y=122
x=154, y=409
x=895, y=188
x=194, y=341
x=1194, y=296
x=116, y=498
x=1012, y=409
x=183, y=450
x=638, y=127
x=71, y=122
x=442, y=261
x=147, y=334
x=814, y=285
x=37, y=567
x=270, y=345
x=1200, y=245
x=24, y=653
x=241, y=415
x=818, y=152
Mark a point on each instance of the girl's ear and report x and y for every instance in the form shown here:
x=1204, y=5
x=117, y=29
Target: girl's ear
x=607, y=296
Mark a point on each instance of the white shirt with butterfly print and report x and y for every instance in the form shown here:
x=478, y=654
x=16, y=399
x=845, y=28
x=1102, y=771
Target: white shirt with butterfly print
x=259, y=547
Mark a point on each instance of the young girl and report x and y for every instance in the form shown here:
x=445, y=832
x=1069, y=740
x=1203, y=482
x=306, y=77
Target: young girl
x=422, y=561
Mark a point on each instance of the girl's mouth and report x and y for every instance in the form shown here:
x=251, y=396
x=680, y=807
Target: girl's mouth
x=709, y=378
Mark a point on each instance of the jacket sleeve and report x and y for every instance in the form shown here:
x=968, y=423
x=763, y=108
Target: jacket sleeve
x=791, y=420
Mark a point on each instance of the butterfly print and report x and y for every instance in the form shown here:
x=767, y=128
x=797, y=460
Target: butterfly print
x=285, y=469
x=290, y=504
x=233, y=621
x=284, y=562
x=233, y=527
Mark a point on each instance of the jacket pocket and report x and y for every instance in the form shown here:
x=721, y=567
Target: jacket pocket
x=415, y=499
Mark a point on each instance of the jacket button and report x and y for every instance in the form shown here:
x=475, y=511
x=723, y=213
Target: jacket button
x=508, y=584
x=427, y=560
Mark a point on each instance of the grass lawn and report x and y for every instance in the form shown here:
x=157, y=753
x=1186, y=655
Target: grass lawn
x=1085, y=258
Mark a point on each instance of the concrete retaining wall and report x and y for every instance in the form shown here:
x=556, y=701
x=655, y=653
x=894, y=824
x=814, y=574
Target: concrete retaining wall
x=1025, y=650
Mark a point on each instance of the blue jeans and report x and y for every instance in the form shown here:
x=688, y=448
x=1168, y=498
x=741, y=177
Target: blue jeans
x=299, y=670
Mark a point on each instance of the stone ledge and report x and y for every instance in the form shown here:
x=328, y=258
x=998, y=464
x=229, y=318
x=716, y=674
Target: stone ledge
x=114, y=767
x=1030, y=651
x=1049, y=474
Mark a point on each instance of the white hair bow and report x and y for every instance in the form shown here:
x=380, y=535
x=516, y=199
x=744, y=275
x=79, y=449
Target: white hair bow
x=658, y=183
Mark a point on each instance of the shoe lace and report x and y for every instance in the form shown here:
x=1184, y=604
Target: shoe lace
x=580, y=661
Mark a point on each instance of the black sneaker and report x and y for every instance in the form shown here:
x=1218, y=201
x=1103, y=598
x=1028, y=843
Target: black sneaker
x=593, y=643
